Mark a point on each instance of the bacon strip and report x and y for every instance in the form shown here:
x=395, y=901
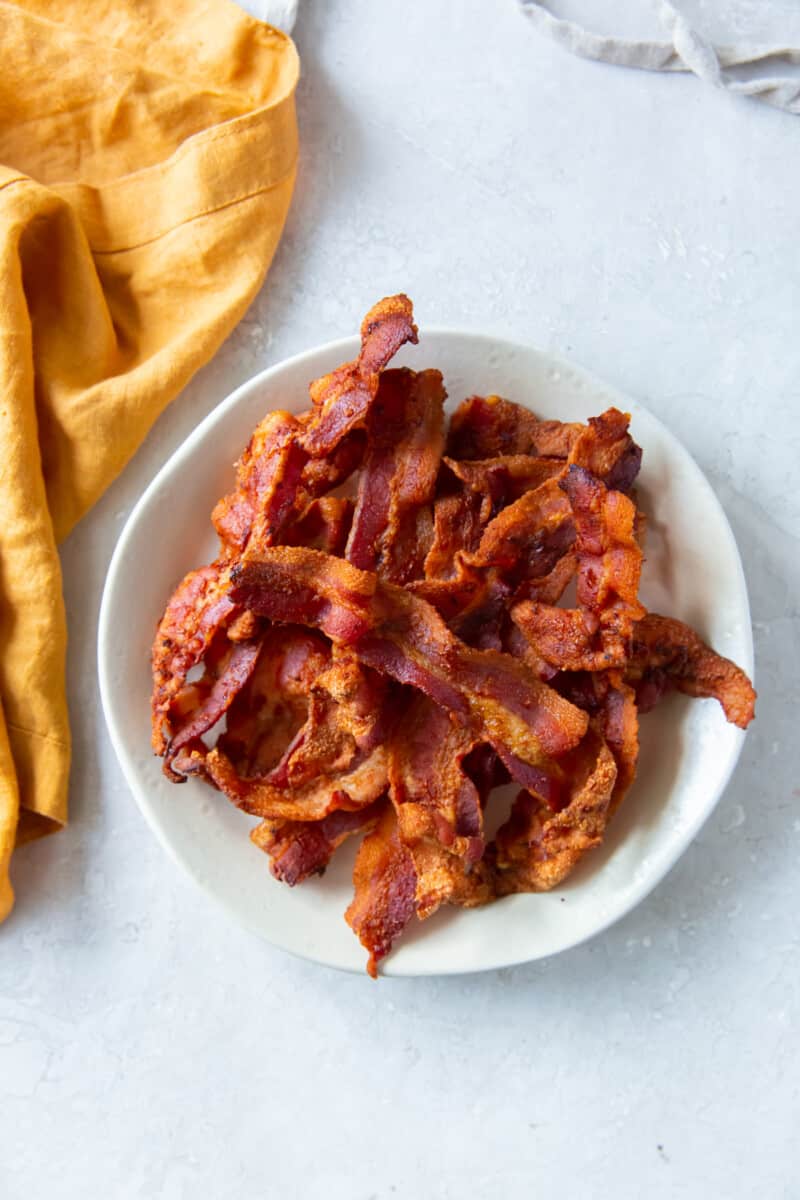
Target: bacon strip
x=343, y=398
x=620, y=728
x=666, y=646
x=267, y=479
x=565, y=637
x=336, y=758
x=445, y=878
x=499, y=481
x=199, y=607
x=402, y=636
x=536, y=849
x=225, y=689
x=349, y=789
x=268, y=713
x=385, y=885
x=299, y=849
x=322, y=475
x=434, y=796
x=323, y=525
x=458, y=523
x=606, y=449
x=486, y=427
x=609, y=557
x=406, y=435
x=526, y=540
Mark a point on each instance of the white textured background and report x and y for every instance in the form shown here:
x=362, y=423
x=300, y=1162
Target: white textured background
x=646, y=226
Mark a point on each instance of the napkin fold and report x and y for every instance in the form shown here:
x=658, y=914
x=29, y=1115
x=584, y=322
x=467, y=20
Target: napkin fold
x=761, y=71
x=148, y=155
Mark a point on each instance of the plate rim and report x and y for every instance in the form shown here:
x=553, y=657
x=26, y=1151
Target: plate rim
x=344, y=348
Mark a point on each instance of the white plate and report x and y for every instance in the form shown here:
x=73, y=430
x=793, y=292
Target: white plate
x=688, y=751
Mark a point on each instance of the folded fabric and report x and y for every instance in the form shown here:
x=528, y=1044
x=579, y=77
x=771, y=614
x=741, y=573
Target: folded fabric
x=149, y=155
x=749, y=69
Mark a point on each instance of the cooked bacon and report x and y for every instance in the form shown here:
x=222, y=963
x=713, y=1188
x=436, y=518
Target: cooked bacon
x=609, y=557
x=402, y=636
x=486, y=427
x=482, y=622
x=566, y=637
x=323, y=525
x=335, y=759
x=429, y=786
x=499, y=481
x=385, y=885
x=620, y=728
x=606, y=449
x=677, y=654
x=439, y=806
x=378, y=664
x=405, y=427
x=548, y=589
x=450, y=597
x=457, y=526
x=595, y=636
x=267, y=478
x=299, y=849
x=345, y=723
x=343, y=398
x=350, y=789
x=200, y=606
x=527, y=539
x=322, y=475
x=445, y=878
x=267, y=714
x=536, y=848
x=225, y=688
x=246, y=627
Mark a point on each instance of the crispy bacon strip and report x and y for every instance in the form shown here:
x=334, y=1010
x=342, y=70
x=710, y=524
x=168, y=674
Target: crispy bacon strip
x=673, y=652
x=224, y=690
x=430, y=788
x=322, y=475
x=596, y=636
x=609, y=557
x=350, y=789
x=486, y=427
x=345, y=723
x=445, y=878
x=406, y=435
x=565, y=637
x=606, y=449
x=619, y=725
x=499, y=481
x=549, y=588
x=526, y=540
x=200, y=606
x=267, y=714
x=299, y=849
x=343, y=398
x=267, y=478
x=402, y=636
x=385, y=885
x=536, y=849
x=323, y=525
x=336, y=759
x=457, y=526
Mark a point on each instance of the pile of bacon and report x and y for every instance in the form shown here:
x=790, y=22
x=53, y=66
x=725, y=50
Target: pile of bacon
x=382, y=634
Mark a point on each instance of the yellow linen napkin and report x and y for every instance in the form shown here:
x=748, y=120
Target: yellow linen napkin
x=148, y=155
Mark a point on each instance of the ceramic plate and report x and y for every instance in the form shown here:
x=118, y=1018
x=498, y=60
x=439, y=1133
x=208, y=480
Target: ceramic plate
x=688, y=750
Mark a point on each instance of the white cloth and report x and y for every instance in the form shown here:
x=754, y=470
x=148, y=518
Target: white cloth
x=739, y=67
x=280, y=13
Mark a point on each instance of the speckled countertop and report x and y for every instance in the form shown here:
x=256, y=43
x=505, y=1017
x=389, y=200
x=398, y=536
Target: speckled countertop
x=647, y=227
